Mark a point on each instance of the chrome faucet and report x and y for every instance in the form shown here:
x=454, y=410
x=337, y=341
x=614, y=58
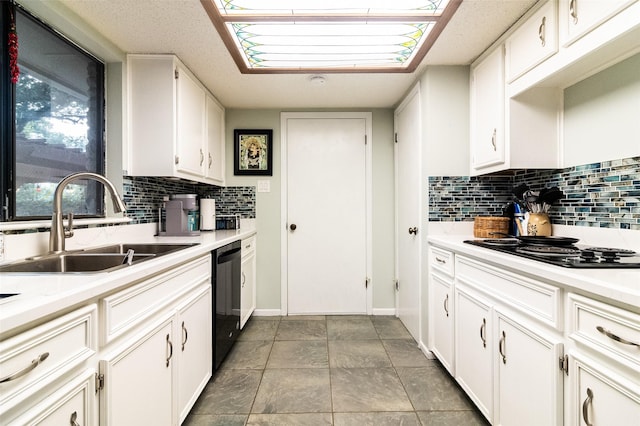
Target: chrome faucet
x=58, y=231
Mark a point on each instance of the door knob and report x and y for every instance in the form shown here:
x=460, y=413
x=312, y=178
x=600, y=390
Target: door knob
x=413, y=230
x=293, y=226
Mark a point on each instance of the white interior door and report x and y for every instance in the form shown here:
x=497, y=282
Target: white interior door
x=408, y=164
x=326, y=215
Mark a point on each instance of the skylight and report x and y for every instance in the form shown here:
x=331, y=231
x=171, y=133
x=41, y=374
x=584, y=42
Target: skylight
x=289, y=36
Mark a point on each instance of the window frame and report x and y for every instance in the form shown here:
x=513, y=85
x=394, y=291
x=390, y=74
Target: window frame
x=8, y=202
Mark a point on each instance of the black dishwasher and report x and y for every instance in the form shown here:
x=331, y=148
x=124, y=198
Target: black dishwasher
x=226, y=272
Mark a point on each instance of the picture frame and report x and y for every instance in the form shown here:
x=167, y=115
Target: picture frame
x=253, y=152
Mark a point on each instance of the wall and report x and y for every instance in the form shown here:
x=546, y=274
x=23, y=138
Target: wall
x=268, y=206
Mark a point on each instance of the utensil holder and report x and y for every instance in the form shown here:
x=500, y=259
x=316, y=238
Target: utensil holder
x=539, y=225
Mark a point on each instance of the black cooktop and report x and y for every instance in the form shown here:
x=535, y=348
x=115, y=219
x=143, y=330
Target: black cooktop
x=568, y=256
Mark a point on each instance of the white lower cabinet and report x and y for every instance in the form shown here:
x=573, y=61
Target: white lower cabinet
x=529, y=381
x=248, y=280
x=138, y=379
x=441, y=314
x=474, y=344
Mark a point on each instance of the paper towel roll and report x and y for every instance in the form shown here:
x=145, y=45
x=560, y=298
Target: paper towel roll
x=207, y=214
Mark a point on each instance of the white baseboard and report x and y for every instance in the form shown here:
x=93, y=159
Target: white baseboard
x=384, y=311
x=267, y=312
x=426, y=351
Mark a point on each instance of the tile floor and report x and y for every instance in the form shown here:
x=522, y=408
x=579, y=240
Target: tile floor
x=330, y=370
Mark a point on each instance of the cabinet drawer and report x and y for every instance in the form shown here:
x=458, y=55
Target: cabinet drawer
x=41, y=355
x=248, y=246
x=442, y=260
x=538, y=300
x=533, y=42
x=126, y=309
x=609, y=330
x=579, y=17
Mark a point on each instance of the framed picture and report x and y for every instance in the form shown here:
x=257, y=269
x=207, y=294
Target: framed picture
x=253, y=152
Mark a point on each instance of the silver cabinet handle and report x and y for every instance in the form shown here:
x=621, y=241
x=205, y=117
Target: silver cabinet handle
x=440, y=260
x=483, y=332
x=201, y=156
x=169, y=350
x=185, y=335
x=27, y=369
x=446, y=304
x=542, y=30
x=573, y=11
x=493, y=139
x=73, y=418
x=619, y=339
x=244, y=279
x=585, y=407
x=210, y=160
x=502, y=347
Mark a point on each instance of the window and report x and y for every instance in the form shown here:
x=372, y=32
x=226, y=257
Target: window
x=54, y=116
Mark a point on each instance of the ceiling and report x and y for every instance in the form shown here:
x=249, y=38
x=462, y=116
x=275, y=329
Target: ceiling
x=182, y=27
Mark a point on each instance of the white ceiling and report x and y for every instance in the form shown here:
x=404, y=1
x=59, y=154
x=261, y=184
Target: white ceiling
x=182, y=27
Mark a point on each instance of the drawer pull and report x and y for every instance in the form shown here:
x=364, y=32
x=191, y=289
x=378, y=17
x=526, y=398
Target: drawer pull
x=493, y=140
x=502, y=346
x=585, y=407
x=169, y=350
x=74, y=417
x=542, y=31
x=445, y=304
x=185, y=335
x=483, y=332
x=27, y=369
x=244, y=279
x=442, y=261
x=612, y=336
x=573, y=11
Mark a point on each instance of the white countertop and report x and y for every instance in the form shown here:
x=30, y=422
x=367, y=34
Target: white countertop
x=618, y=286
x=42, y=296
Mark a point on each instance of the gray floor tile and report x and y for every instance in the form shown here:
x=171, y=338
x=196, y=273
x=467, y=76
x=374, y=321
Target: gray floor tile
x=406, y=353
x=348, y=317
x=233, y=393
x=299, y=354
x=259, y=330
x=452, y=418
x=432, y=388
x=294, y=391
x=357, y=354
x=305, y=419
x=367, y=389
x=376, y=419
x=301, y=330
x=215, y=420
x=351, y=329
x=389, y=327
x=252, y=354
x=304, y=317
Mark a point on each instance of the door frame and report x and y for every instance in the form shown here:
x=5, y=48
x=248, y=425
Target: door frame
x=284, y=261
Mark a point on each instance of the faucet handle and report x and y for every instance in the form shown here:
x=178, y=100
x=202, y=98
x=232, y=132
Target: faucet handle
x=68, y=231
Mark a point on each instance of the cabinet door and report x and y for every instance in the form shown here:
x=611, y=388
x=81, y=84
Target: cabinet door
x=441, y=320
x=138, y=380
x=190, y=124
x=529, y=379
x=578, y=17
x=487, y=112
x=600, y=397
x=194, y=350
x=474, y=349
x=248, y=295
x=215, y=141
x=533, y=42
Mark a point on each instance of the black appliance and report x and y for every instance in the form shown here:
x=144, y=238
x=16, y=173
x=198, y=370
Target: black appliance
x=226, y=273
x=565, y=255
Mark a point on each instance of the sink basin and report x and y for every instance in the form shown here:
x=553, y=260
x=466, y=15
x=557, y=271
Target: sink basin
x=157, y=249
x=76, y=262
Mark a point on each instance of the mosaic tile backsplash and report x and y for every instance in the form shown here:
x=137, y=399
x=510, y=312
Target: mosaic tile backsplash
x=143, y=196
x=605, y=194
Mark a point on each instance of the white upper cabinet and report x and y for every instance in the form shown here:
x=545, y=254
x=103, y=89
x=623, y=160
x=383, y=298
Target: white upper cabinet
x=176, y=128
x=533, y=42
x=487, y=113
x=578, y=17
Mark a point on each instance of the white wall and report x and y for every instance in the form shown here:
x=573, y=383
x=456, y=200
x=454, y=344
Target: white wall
x=601, y=115
x=268, y=206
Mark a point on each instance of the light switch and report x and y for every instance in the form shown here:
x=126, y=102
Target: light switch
x=264, y=186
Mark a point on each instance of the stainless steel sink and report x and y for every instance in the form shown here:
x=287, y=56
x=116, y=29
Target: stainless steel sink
x=75, y=262
x=157, y=249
